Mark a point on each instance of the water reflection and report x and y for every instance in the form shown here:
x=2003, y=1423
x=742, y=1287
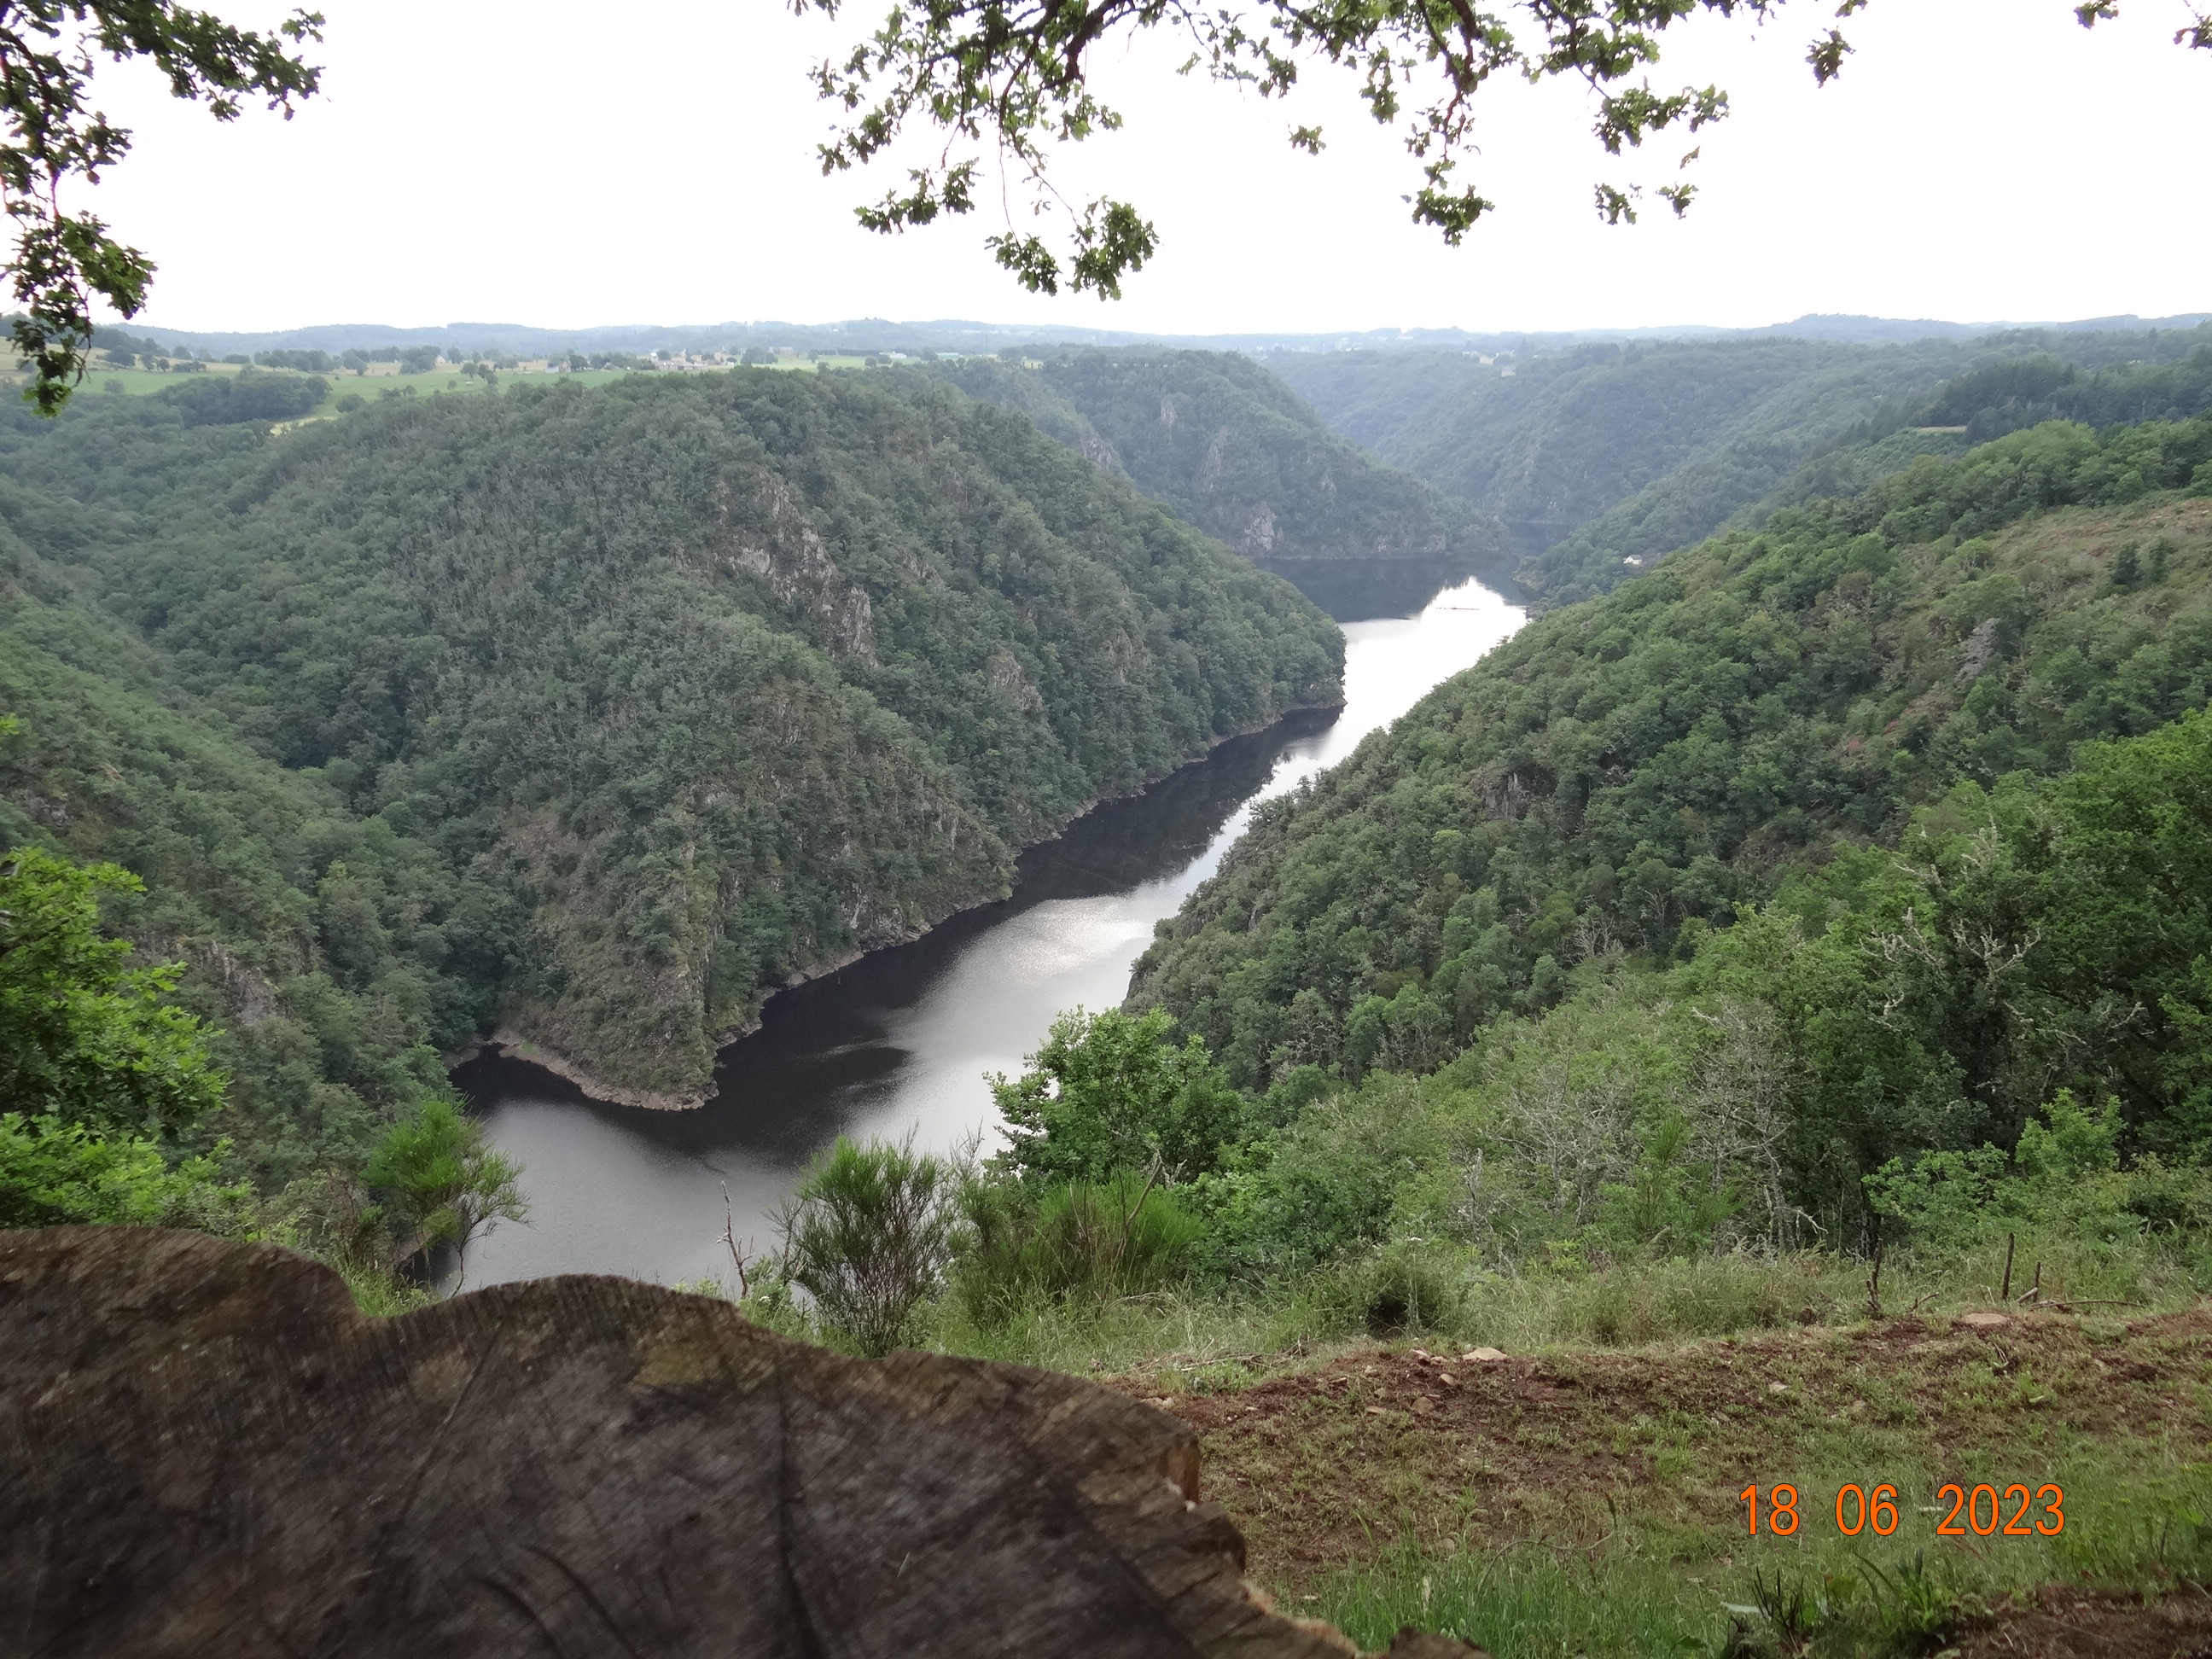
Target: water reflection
x=1361, y=590
x=900, y=1041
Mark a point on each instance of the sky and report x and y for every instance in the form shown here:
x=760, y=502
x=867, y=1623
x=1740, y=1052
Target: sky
x=566, y=165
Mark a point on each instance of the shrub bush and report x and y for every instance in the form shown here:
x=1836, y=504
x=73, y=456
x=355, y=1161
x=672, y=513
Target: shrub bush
x=54, y=1172
x=1399, y=1289
x=867, y=1234
x=1077, y=1242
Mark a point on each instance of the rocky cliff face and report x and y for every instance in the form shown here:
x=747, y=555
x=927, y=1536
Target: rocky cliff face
x=789, y=555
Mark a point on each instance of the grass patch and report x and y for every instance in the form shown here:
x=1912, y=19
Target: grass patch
x=1664, y=1592
x=1523, y=1604
x=380, y=1294
x=1442, y=1298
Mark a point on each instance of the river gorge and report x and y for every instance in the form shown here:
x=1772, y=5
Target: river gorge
x=901, y=1041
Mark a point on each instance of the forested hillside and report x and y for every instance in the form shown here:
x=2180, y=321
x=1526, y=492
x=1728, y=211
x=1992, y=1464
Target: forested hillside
x=2008, y=395
x=1602, y=455
x=1548, y=440
x=1234, y=451
x=1986, y=403
x=599, y=714
x=1920, y=666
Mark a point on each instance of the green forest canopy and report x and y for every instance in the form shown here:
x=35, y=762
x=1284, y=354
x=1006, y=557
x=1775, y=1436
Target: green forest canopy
x=1838, y=844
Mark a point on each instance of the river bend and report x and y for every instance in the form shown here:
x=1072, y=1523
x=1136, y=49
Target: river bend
x=902, y=1040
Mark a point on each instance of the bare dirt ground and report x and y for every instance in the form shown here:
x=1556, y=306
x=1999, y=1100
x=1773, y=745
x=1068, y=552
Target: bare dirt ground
x=2060, y=1624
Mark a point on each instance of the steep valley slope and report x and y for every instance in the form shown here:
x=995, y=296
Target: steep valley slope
x=1600, y=459
x=1225, y=444
x=594, y=716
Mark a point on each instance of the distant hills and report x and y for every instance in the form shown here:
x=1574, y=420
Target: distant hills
x=1601, y=458
x=876, y=334
x=1560, y=462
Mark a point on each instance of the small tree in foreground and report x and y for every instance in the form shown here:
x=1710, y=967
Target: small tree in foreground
x=1073, y=1243
x=451, y=1187
x=867, y=1235
x=1111, y=1092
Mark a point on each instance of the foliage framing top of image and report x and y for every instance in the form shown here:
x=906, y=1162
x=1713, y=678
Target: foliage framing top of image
x=63, y=260
x=1018, y=70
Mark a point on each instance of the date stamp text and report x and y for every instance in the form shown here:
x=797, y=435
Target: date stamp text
x=1982, y=1510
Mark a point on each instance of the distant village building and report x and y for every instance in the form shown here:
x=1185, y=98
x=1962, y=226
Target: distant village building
x=688, y=360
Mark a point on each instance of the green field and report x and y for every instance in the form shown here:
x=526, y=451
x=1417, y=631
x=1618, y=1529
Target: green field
x=106, y=381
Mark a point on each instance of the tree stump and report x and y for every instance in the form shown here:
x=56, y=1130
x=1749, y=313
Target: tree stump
x=206, y=1450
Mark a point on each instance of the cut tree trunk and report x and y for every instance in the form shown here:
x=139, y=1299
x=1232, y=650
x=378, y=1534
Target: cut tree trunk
x=205, y=1450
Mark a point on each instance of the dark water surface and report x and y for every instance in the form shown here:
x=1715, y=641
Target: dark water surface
x=902, y=1040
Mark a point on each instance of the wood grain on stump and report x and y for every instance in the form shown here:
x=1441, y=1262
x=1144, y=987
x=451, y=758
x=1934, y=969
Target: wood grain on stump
x=206, y=1450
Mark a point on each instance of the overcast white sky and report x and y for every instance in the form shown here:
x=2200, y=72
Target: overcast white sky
x=566, y=165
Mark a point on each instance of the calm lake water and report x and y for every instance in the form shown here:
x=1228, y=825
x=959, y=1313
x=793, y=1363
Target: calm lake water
x=901, y=1041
